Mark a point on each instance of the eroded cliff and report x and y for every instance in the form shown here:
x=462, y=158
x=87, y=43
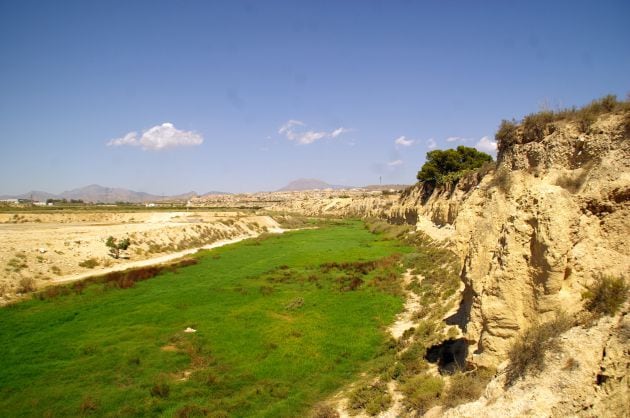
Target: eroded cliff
x=532, y=234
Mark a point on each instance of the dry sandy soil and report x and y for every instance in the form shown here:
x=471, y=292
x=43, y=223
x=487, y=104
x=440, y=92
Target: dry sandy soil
x=39, y=249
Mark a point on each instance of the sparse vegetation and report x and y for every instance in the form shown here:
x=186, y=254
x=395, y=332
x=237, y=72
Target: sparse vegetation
x=26, y=285
x=535, y=126
x=17, y=263
x=323, y=410
x=422, y=392
x=405, y=360
x=606, y=295
x=89, y=263
x=371, y=398
x=527, y=354
x=466, y=386
x=507, y=135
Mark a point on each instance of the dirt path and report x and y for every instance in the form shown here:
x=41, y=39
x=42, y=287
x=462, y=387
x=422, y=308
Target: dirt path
x=405, y=320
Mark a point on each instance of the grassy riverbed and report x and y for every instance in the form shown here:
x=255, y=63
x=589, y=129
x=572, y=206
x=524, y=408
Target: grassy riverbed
x=281, y=323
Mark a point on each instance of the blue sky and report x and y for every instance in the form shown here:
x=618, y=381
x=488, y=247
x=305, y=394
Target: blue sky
x=246, y=96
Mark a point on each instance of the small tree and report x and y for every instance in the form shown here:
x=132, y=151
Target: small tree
x=115, y=247
x=440, y=163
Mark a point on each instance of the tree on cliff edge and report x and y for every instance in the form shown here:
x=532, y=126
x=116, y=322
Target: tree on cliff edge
x=443, y=166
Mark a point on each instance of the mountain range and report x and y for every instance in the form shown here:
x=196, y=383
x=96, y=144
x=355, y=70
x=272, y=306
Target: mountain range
x=95, y=193
x=99, y=194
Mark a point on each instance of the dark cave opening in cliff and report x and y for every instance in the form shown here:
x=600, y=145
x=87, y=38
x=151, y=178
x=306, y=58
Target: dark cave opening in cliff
x=450, y=355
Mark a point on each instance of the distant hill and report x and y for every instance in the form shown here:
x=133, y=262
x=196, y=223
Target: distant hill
x=309, y=184
x=36, y=195
x=99, y=194
x=214, y=192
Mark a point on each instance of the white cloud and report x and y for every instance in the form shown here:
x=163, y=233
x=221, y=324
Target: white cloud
x=486, y=144
x=293, y=130
x=309, y=137
x=130, y=139
x=338, y=131
x=287, y=128
x=159, y=137
x=431, y=144
x=394, y=163
x=404, y=142
x=455, y=139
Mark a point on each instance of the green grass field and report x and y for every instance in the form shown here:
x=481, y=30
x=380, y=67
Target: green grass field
x=279, y=328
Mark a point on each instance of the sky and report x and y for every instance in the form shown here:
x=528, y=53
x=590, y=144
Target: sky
x=240, y=96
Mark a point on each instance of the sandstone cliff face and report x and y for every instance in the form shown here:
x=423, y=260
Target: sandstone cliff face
x=553, y=215
x=531, y=235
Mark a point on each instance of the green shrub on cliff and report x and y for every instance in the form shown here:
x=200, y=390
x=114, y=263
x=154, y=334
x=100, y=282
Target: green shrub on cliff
x=445, y=166
x=606, y=295
x=535, y=126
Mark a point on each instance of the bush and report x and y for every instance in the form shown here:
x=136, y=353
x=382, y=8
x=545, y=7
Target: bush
x=527, y=353
x=423, y=392
x=466, y=386
x=606, y=295
x=537, y=125
x=372, y=398
x=441, y=163
x=116, y=247
x=89, y=263
x=507, y=135
x=27, y=284
x=609, y=102
x=585, y=120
